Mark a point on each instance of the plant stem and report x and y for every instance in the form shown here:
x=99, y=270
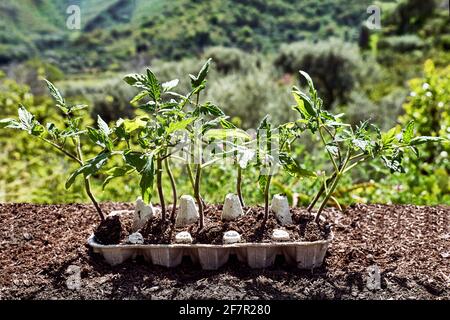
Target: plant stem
x=198, y=198
x=87, y=183
x=321, y=191
x=339, y=174
x=266, y=200
x=191, y=176
x=174, y=189
x=160, y=189
x=327, y=196
x=239, y=184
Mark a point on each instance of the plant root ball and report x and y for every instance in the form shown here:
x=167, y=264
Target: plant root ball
x=109, y=231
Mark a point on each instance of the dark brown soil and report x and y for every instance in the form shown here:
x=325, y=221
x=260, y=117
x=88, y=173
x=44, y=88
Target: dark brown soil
x=409, y=245
x=109, y=231
x=249, y=226
x=157, y=231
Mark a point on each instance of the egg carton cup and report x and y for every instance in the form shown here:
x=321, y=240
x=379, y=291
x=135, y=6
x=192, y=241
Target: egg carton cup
x=305, y=255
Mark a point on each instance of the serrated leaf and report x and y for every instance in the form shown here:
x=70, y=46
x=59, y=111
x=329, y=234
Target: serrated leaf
x=332, y=149
x=116, y=172
x=8, y=123
x=54, y=92
x=135, y=159
x=293, y=168
x=133, y=79
x=208, y=109
x=167, y=86
x=139, y=96
x=197, y=81
x=304, y=103
x=103, y=126
x=408, y=133
x=90, y=167
x=154, y=87
x=262, y=181
x=424, y=139
x=179, y=125
x=361, y=144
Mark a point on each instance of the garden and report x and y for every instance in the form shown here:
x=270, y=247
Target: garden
x=308, y=170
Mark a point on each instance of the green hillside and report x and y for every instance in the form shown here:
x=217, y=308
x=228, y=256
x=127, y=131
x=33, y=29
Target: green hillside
x=122, y=29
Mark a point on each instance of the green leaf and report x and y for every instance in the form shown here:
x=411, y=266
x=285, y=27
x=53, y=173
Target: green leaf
x=224, y=134
x=147, y=177
x=424, y=139
x=90, y=167
x=308, y=79
x=408, y=132
x=134, y=79
x=134, y=124
x=332, y=149
x=56, y=95
x=262, y=180
x=293, y=168
x=208, y=109
x=361, y=144
x=197, y=81
x=116, y=172
x=167, y=86
x=179, y=125
x=135, y=159
x=8, y=123
x=27, y=123
x=388, y=137
x=99, y=138
x=304, y=103
x=139, y=96
x=78, y=107
x=154, y=87
x=103, y=126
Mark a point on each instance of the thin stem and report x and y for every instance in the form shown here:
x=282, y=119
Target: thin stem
x=333, y=186
x=321, y=191
x=87, y=183
x=198, y=198
x=329, y=153
x=160, y=189
x=266, y=200
x=174, y=189
x=191, y=176
x=239, y=185
x=61, y=149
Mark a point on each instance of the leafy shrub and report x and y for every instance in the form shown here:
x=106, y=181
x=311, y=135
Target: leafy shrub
x=402, y=44
x=335, y=66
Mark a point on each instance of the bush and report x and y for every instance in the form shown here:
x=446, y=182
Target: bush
x=227, y=60
x=334, y=65
x=402, y=44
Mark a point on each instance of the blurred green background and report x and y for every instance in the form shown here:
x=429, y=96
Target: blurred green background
x=392, y=75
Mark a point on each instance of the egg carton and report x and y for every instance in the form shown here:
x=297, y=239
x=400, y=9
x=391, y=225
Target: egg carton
x=305, y=255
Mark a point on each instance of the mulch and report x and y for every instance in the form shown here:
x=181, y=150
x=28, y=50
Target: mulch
x=43, y=255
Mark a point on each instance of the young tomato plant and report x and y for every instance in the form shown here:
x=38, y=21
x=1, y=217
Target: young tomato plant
x=67, y=139
x=208, y=117
x=273, y=151
x=348, y=147
x=156, y=135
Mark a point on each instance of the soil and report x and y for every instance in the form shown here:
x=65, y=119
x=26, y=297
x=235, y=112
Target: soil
x=43, y=255
x=110, y=231
x=249, y=226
